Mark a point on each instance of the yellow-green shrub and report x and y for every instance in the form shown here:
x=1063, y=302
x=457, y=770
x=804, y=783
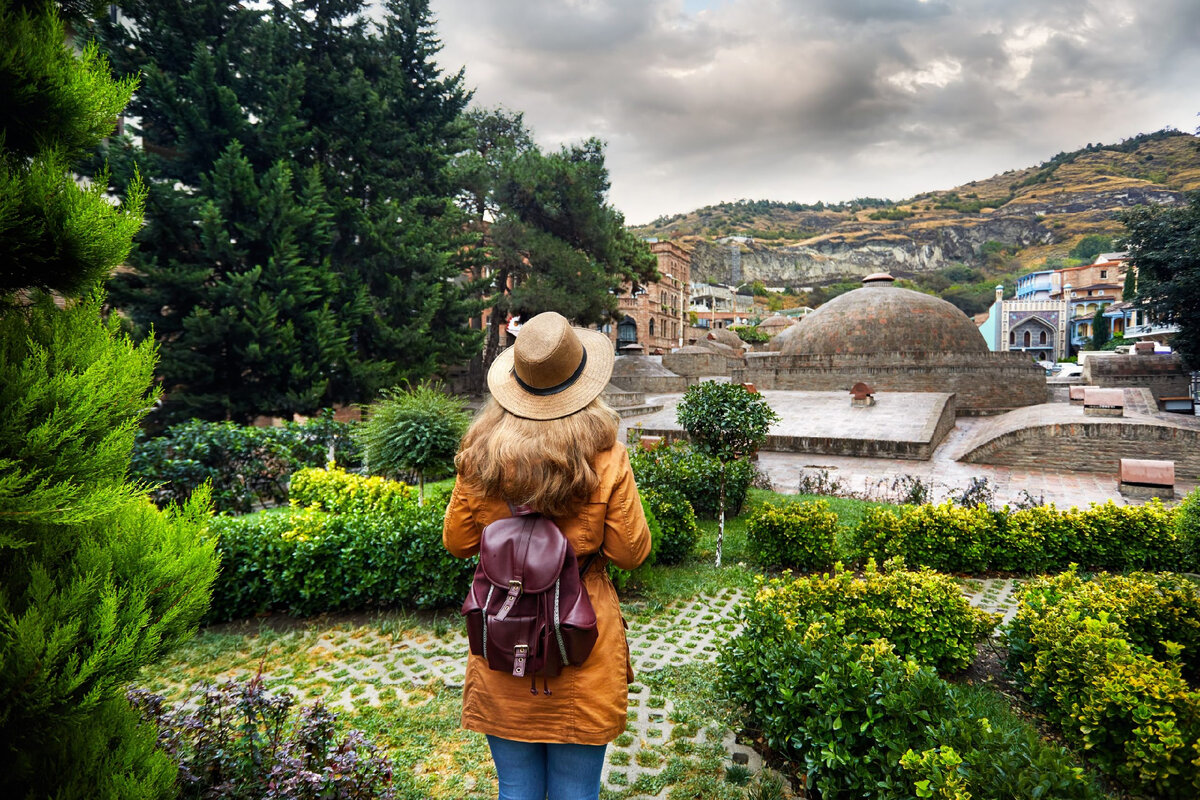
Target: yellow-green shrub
x=796, y=535
x=923, y=613
x=340, y=492
x=1106, y=659
x=952, y=539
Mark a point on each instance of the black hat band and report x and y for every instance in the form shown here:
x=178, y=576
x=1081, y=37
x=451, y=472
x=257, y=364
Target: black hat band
x=556, y=388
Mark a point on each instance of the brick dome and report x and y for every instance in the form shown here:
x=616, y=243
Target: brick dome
x=881, y=318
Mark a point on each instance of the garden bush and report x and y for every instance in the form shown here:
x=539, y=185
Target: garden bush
x=1031, y=540
x=795, y=535
x=864, y=722
x=248, y=466
x=340, y=492
x=238, y=741
x=676, y=521
x=306, y=561
x=695, y=475
x=1109, y=660
x=923, y=614
x=1187, y=527
x=623, y=578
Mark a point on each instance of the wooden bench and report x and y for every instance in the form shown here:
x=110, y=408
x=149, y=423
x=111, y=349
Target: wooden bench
x=1139, y=477
x=1099, y=402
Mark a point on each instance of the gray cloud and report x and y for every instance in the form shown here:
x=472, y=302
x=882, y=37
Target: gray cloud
x=825, y=99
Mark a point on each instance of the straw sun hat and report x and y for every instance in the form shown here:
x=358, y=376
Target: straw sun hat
x=553, y=370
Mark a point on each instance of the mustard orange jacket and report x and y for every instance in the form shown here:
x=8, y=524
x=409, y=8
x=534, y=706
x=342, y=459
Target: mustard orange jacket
x=587, y=704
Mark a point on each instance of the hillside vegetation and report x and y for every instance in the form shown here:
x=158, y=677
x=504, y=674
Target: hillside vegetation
x=998, y=227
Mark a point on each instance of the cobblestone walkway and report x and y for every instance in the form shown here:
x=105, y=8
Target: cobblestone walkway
x=368, y=665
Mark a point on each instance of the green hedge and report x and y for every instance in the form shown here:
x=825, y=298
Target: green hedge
x=622, y=578
x=863, y=722
x=923, y=614
x=796, y=536
x=248, y=466
x=306, y=561
x=1110, y=661
x=953, y=539
x=676, y=521
x=695, y=475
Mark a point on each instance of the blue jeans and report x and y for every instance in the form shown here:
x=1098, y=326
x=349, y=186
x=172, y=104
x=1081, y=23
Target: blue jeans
x=540, y=770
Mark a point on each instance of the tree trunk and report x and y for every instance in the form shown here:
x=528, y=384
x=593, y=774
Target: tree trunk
x=721, y=518
x=420, y=488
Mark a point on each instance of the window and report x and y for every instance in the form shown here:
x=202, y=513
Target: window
x=1012, y=337
x=1028, y=339
x=1103, y=273
x=651, y=326
x=1042, y=338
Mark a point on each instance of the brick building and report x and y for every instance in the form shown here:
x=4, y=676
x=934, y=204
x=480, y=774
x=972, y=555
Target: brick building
x=654, y=315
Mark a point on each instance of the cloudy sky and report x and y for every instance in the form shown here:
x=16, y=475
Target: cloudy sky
x=702, y=101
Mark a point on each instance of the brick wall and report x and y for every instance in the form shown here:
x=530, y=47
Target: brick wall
x=1163, y=375
x=981, y=381
x=696, y=364
x=1092, y=447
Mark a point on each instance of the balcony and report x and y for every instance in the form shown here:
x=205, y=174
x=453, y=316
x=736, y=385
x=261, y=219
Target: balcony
x=1150, y=329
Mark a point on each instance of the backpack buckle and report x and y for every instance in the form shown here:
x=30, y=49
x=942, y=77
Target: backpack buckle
x=520, y=652
x=515, y=587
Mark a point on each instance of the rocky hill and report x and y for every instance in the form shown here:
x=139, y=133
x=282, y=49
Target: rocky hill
x=1038, y=213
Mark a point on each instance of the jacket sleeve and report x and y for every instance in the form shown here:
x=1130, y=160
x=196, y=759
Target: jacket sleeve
x=626, y=535
x=460, y=533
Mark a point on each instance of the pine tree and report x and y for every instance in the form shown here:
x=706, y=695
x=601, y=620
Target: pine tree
x=555, y=243
x=94, y=581
x=301, y=245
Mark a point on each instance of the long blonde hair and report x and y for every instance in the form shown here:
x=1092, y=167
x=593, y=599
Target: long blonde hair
x=545, y=464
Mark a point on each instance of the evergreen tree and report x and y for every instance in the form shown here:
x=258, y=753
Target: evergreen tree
x=1100, y=331
x=94, y=581
x=553, y=242
x=301, y=245
x=1164, y=247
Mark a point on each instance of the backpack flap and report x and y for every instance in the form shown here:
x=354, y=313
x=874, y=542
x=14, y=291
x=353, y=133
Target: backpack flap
x=522, y=555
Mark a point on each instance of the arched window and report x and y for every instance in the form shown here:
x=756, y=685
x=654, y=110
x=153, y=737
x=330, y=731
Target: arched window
x=1028, y=338
x=1012, y=337
x=651, y=326
x=1042, y=338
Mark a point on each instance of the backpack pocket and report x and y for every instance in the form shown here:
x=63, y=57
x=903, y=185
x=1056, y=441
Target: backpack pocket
x=511, y=644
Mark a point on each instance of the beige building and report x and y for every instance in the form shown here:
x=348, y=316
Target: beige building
x=654, y=315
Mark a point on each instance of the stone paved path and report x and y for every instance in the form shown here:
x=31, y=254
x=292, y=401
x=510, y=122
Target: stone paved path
x=637, y=766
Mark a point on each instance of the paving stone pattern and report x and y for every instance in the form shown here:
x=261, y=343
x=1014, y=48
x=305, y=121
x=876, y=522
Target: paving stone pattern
x=370, y=663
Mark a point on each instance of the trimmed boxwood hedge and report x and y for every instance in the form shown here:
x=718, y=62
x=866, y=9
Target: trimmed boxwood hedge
x=1114, y=661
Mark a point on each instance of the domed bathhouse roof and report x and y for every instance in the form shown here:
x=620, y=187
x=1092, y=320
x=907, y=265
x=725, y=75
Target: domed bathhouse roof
x=881, y=318
x=775, y=323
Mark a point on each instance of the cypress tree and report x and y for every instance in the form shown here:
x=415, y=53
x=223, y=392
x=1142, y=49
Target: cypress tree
x=301, y=244
x=94, y=581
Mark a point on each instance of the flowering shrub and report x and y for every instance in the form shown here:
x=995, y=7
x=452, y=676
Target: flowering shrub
x=796, y=535
x=239, y=741
x=1032, y=540
x=1109, y=660
x=923, y=614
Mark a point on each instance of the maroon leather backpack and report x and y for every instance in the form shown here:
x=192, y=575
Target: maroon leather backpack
x=527, y=611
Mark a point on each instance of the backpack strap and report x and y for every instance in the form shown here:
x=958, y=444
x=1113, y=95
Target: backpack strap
x=516, y=583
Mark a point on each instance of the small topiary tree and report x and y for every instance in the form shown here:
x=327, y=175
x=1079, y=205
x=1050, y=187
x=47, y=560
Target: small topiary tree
x=414, y=430
x=728, y=421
